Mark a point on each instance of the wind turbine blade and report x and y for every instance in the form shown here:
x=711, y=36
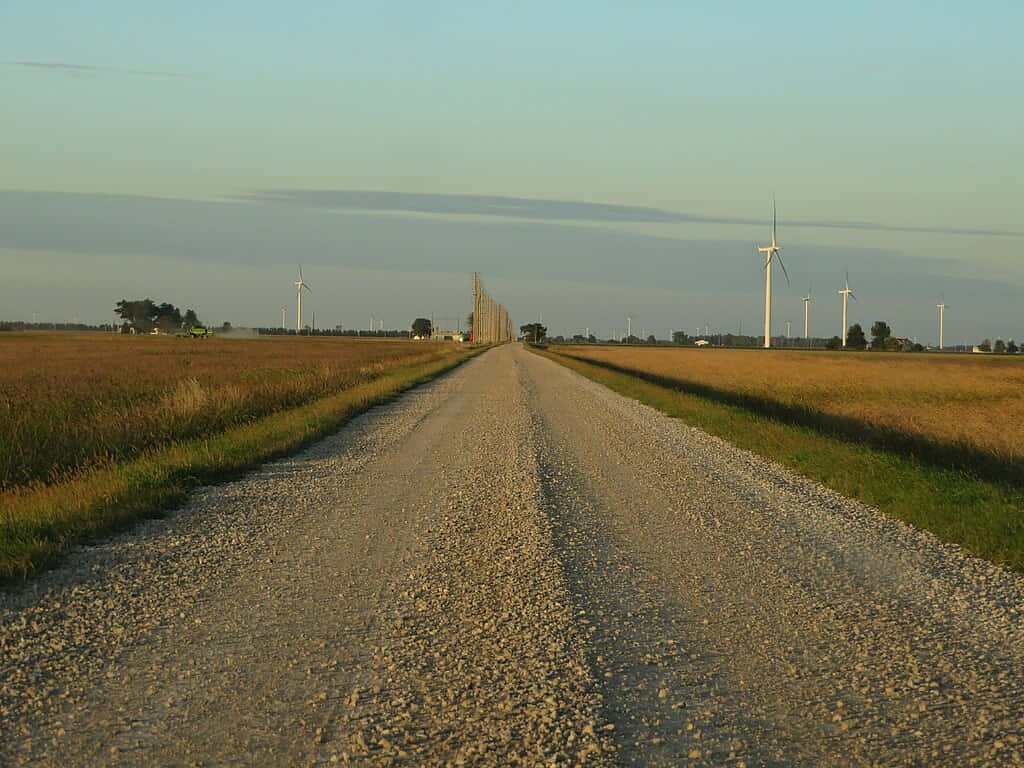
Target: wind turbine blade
x=779, y=257
x=304, y=285
x=774, y=218
x=300, y=272
x=853, y=296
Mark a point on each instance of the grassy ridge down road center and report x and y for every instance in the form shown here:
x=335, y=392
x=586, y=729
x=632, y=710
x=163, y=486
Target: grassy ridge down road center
x=508, y=566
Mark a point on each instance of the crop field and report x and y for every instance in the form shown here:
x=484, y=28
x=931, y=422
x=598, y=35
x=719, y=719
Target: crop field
x=78, y=407
x=968, y=409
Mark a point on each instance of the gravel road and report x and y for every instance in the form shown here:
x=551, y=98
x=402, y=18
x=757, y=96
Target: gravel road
x=515, y=566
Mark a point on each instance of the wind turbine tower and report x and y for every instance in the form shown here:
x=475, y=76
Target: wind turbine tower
x=846, y=291
x=772, y=251
x=283, y=310
x=942, y=316
x=299, y=285
x=807, y=311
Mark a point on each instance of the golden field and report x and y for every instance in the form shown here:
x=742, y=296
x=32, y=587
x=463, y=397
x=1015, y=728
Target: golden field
x=98, y=430
x=963, y=401
x=71, y=402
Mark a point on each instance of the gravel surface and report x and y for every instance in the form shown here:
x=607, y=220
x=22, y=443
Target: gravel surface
x=514, y=566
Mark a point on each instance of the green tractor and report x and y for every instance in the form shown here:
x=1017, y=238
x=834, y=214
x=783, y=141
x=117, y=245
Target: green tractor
x=199, y=332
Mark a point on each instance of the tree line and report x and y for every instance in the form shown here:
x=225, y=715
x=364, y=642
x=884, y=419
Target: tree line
x=143, y=315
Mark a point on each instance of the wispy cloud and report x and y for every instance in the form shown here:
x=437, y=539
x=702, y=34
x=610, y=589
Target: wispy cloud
x=554, y=210
x=87, y=69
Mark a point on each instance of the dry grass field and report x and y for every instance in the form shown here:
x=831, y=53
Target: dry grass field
x=968, y=403
x=99, y=430
x=70, y=402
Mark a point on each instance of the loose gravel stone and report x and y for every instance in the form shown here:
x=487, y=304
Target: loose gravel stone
x=514, y=566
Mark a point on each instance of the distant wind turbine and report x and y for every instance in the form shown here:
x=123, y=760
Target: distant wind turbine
x=283, y=310
x=942, y=316
x=773, y=252
x=299, y=285
x=807, y=311
x=846, y=291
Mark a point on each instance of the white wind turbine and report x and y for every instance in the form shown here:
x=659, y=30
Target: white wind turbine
x=807, y=311
x=846, y=291
x=299, y=285
x=942, y=316
x=773, y=252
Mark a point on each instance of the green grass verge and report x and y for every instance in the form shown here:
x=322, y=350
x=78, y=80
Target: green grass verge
x=37, y=525
x=985, y=517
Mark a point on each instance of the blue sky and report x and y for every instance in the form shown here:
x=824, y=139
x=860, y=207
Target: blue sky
x=178, y=118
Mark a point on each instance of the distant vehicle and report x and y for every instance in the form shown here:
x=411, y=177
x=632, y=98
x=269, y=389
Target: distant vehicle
x=199, y=332
x=701, y=343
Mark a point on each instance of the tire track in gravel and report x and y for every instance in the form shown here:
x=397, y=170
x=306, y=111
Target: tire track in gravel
x=480, y=663
x=809, y=629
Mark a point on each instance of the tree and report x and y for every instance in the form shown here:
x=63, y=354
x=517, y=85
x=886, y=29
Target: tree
x=422, y=327
x=985, y=346
x=834, y=343
x=855, y=337
x=1011, y=347
x=880, y=332
x=651, y=339
x=679, y=337
x=593, y=339
x=144, y=315
x=1000, y=347
x=469, y=320
x=534, y=332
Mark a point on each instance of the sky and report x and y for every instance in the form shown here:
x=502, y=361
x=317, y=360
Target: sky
x=591, y=160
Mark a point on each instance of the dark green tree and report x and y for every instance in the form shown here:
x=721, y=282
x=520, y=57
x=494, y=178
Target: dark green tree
x=651, y=339
x=834, y=343
x=880, y=332
x=138, y=314
x=1011, y=347
x=855, y=337
x=422, y=327
x=1000, y=347
x=534, y=332
x=985, y=346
